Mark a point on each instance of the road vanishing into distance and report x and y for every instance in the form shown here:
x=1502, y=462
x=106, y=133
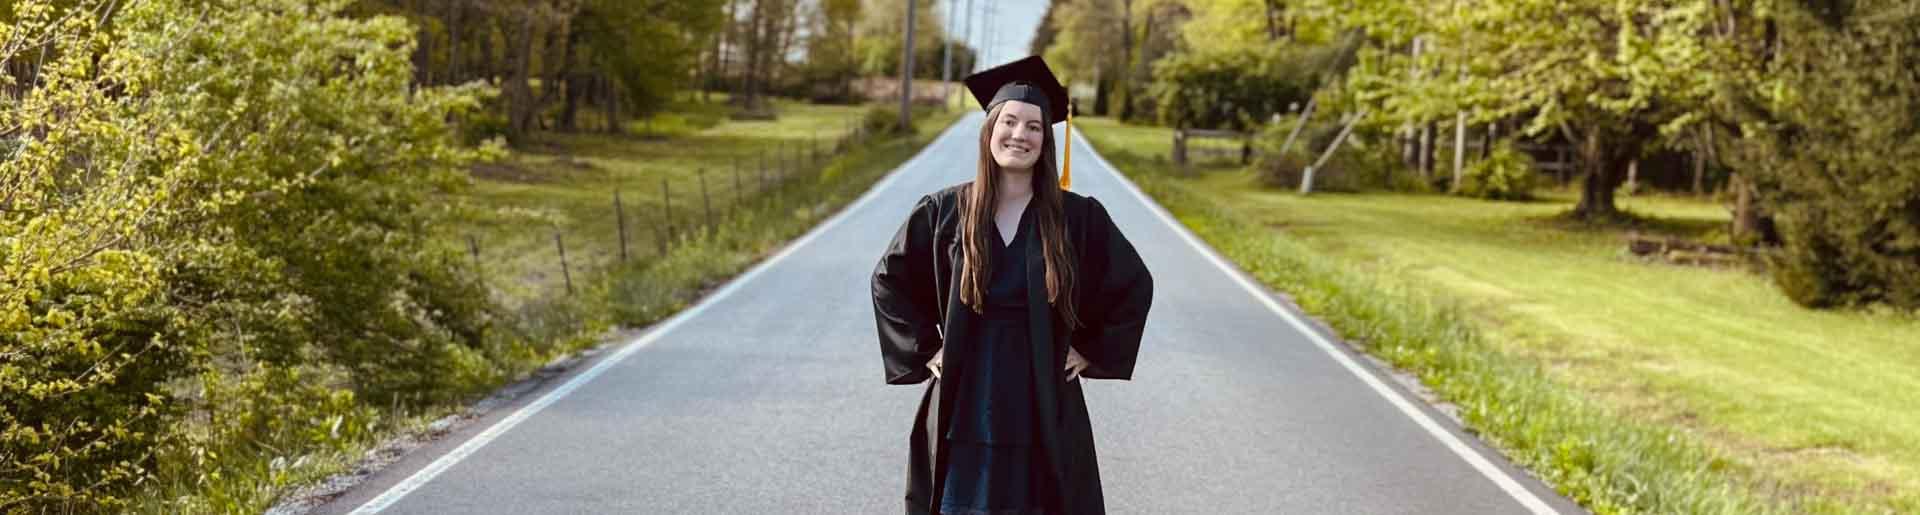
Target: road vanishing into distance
x=768, y=397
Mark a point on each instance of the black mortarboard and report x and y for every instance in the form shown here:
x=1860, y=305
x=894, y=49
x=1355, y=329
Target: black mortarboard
x=1029, y=80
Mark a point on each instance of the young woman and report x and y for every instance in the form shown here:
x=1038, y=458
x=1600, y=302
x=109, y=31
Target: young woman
x=1005, y=291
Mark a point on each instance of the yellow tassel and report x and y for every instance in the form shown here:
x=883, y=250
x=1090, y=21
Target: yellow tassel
x=1066, y=164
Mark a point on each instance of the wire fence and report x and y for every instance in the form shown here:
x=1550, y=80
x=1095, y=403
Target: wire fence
x=689, y=208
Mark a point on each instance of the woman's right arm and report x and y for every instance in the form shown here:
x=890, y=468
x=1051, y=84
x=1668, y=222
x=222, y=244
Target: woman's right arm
x=903, y=299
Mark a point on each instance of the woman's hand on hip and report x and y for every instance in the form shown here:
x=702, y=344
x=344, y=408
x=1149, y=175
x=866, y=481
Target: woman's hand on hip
x=937, y=363
x=1075, y=364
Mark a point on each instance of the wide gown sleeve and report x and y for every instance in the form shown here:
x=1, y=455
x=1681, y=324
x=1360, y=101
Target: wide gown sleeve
x=903, y=299
x=1122, y=292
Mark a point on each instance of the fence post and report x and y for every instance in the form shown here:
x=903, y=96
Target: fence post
x=1180, y=147
x=706, y=202
x=473, y=246
x=564, y=273
x=620, y=218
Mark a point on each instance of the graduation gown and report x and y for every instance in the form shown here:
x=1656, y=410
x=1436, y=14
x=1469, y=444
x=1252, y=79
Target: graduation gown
x=917, y=310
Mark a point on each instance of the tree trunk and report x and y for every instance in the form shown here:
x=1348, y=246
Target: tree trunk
x=423, y=58
x=559, y=60
x=1274, y=13
x=612, y=104
x=1486, y=143
x=1702, y=153
x=716, y=60
x=570, y=108
x=483, y=51
x=1102, y=88
x=456, y=30
x=1603, y=173
x=1745, y=219
x=519, y=93
x=1426, y=150
x=746, y=96
x=788, y=21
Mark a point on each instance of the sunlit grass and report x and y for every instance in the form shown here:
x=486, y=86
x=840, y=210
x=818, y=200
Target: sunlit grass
x=565, y=184
x=1813, y=407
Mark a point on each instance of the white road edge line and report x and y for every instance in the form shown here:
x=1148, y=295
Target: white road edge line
x=1487, y=468
x=421, y=477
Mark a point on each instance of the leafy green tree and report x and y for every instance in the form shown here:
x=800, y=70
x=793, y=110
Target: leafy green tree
x=881, y=33
x=1236, y=89
x=831, y=57
x=649, y=50
x=1615, y=77
x=206, y=187
x=1830, y=125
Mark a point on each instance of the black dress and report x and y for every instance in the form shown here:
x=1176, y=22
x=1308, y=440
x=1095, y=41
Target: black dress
x=995, y=467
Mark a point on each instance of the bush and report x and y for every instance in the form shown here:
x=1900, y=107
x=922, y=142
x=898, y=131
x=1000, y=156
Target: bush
x=1834, y=153
x=258, y=201
x=1242, y=87
x=1506, y=174
x=882, y=119
x=1362, y=163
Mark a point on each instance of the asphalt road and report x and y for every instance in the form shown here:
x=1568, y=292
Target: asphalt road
x=768, y=398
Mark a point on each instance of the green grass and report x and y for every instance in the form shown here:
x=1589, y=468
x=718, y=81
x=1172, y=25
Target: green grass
x=249, y=476
x=1801, y=410
x=566, y=183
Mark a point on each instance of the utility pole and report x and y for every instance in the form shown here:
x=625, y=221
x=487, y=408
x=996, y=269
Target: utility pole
x=993, y=32
x=906, y=71
x=973, y=65
x=946, y=51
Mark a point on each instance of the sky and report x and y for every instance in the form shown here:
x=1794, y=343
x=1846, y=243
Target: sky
x=1013, y=24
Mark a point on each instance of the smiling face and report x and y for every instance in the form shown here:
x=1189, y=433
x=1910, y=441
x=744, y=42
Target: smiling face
x=1018, y=135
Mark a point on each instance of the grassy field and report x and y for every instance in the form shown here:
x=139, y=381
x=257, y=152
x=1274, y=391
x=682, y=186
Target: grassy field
x=565, y=183
x=1812, y=410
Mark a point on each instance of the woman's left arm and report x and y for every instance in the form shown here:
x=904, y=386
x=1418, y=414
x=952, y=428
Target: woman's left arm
x=1121, y=292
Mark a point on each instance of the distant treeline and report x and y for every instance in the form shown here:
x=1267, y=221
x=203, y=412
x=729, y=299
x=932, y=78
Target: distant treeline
x=552, y=60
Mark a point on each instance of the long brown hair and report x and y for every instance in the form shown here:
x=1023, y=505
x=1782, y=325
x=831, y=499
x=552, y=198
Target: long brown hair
x=976, y=233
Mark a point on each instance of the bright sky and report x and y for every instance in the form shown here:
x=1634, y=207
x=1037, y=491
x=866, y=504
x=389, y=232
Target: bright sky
x=1002, y=29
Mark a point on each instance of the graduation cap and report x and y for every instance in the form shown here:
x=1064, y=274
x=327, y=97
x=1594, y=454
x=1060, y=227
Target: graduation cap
x=1029, y=80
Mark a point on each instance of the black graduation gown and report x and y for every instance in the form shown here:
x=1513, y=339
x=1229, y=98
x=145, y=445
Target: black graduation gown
x=913, y=283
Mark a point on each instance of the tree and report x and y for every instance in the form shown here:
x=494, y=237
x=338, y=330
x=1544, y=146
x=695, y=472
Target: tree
x=202, y=189
x=762, y=41
x=647, y=52
x=881, y=31
x=1830, y=139
x=831, y=58
x=1614, y=77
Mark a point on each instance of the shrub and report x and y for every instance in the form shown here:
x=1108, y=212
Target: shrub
x=1362, y=163
x=232, y=186
x=1506, y=174
x=882, y=119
